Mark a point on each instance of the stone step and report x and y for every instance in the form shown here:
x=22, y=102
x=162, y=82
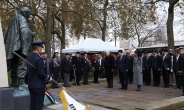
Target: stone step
x=169, y=104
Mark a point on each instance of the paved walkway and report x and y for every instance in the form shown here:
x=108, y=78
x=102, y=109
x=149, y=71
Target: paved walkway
x=115, y=99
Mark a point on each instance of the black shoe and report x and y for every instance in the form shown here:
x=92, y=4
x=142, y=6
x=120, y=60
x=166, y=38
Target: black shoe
x=125, y=88
x=97, y=82
x=182, y=94
x=121, y=88
x=111, y=87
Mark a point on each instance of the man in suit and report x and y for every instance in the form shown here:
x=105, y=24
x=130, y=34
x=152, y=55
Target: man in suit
x=56, y=54
x=78, y=66
x=36, y=77
x=180, y=65
x=156, y=68
x=96, y=68
x=109, y=68
x=55, y=71
x=147, y=68
x=122, y=64
x=130, y=67
x=166, y=67
x=175, y=68
x=101, y=63
x=172, y=78
x=66, y=67
x=115, y=66
x=72, y=71
x=86, y=69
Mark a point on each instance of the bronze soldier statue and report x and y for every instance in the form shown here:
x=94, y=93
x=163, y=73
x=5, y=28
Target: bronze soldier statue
x=18, y=38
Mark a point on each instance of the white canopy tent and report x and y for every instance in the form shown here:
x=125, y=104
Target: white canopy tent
x=91, y=45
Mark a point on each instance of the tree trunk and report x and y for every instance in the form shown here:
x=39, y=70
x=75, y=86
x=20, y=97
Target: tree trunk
x=170, y=33
x=104, y=20
x=63, y=37
x=48, y=31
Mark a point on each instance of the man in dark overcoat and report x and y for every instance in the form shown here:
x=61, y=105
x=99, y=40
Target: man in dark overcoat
x=78, y=66
x=109, y=68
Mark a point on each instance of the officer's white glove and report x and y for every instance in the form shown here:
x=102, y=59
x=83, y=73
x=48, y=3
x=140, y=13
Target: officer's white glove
x=50, y=79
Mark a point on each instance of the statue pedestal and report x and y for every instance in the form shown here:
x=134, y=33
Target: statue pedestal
x=6, y=99
x=10, y=102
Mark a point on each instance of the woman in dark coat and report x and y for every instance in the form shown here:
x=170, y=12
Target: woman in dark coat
x=109, y=68
x=54, y=71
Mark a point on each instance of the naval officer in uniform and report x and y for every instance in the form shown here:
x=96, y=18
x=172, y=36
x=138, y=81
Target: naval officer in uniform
x=36, y=77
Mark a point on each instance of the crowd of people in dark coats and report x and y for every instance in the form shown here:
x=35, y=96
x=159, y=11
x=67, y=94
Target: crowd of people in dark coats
x=142, y=68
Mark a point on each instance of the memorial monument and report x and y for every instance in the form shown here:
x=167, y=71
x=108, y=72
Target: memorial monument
x=18, y=38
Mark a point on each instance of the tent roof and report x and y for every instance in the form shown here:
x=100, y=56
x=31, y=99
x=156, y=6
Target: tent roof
x=91, y=45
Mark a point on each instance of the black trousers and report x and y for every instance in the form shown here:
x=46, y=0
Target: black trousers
x=165, y=74
x=101, y=75
x=115, y=71
x=123, y=79
x=37, y=98
x=110, y=82
x=147, y=76
x=177, y=79
x=55, y=77
x=156, y=77
x=96, y=74
x=78, y=79
x=183, y=82
x=144, y=76
x=85, y=76
x=130, y=75
x=72, y=75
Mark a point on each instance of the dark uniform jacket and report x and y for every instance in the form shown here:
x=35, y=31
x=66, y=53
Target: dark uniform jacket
x=96, y=64
x=55, y=68
x=36, y=77
x=156, y=62
x=122, y=63
x=166, y=62
x=130, y=62
x=86, y=63
x=147, y=62
x=175, y=64
x=181, y=63
x=66, y=65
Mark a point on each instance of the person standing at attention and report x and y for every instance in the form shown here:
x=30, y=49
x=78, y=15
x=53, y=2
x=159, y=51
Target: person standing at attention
x=36, y=77
x=122, y=64
x=66, y=68
x=109, y=69
x=86, y=69
x=137, y=69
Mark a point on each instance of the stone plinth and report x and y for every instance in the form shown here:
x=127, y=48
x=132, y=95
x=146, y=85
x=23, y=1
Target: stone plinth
x=169, y=104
